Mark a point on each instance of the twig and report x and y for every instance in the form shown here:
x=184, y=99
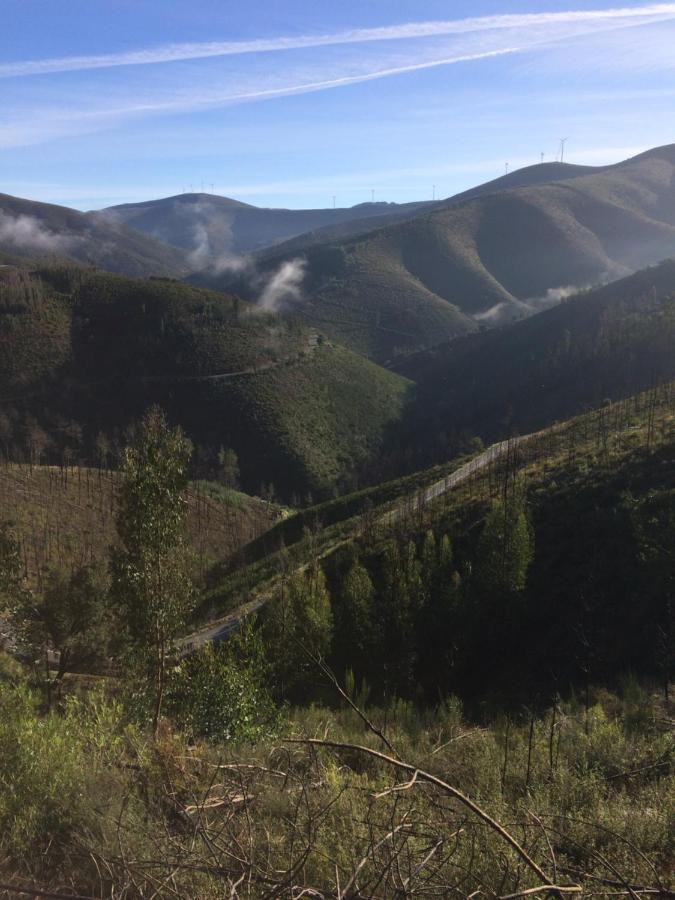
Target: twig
x=364, y=718
x=443, y=785
x=545, y=889
x=15, y=889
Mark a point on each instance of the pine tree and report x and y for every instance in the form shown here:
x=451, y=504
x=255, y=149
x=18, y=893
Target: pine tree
x=356, y=627
x=505, y=549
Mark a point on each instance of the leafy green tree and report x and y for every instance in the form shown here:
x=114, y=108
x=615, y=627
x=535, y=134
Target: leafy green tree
x=74, y=618
x=299, y=627
x=149, y=567
x=222, y=690
x=356, y=626
x=399, y=601
x=67, y=625
x=505, y=549
x=438, y=619
x=228, y=467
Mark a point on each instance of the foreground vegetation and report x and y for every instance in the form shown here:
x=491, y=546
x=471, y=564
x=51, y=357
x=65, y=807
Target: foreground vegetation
x=536, y=589
x=90, y=804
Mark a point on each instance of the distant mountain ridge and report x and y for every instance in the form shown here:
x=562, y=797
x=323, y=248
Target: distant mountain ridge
x=492, y=256
x=209, y=226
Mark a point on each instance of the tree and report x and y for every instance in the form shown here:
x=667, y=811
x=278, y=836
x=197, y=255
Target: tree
x=221, y=690
x=437, y=620
x=399, y=602
x=11, y=569
x=505, y=548
x=74, y=618
x=149, y=567
x=300, y=626
x=356, y=627
x=228, y=467
x=67, y=624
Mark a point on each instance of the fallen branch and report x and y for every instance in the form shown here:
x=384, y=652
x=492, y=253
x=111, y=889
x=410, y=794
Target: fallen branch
x=16, y=890
x=449, y=789
x=545, y=889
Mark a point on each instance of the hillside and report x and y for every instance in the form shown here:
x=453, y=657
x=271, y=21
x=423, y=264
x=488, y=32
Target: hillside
x=65, y=517
x=524, y=698
x=44, y=231
x=490, y=258
x=83, y=353
x=209, y=226
x=597, y=493
x=602, y=344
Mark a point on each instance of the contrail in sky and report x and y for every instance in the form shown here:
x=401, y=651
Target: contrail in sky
x=412, y=30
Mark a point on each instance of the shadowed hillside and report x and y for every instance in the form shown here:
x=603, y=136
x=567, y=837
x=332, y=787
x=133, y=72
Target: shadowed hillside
x=83, y=353
x=600, y=345
x=33, y=230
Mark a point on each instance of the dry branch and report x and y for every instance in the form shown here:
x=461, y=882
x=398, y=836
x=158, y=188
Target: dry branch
x=449, y=789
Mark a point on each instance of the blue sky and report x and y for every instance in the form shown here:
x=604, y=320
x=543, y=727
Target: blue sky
x=292, y=103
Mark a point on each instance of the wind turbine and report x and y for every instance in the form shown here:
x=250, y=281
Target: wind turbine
x=563, y=141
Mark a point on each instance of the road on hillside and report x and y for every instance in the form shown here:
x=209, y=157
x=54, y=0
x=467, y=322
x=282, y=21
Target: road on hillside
x=223, y=628
x=312, y=344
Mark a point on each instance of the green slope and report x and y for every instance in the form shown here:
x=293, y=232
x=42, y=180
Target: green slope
x=83, y=352
x=62, y=517
x=598, y=490
x=42, y=230
x=500, y=255
x=603, y=344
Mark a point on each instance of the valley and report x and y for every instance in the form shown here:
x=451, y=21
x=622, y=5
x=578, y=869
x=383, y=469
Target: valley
x=296, y=504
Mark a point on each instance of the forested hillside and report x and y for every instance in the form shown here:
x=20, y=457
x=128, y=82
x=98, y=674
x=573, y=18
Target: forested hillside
x=507, y=642
x=595, y=347
x=515, y=581
x=39, y=231
x=83, y=354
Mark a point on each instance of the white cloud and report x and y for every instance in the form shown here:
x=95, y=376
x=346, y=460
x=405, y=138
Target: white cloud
x=411, y=30
x=105, y=100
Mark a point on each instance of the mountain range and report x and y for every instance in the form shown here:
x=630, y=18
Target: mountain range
x=487, y=257
x=523, y=300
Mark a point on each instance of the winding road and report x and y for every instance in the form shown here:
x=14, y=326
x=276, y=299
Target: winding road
x=221, y=629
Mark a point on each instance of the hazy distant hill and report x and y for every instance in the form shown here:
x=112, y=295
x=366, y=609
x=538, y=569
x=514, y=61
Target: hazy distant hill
x=495, y=256
x=601, y=345
x=84, y=352
x=353, y=228
x=210, y=226
x=42, y=230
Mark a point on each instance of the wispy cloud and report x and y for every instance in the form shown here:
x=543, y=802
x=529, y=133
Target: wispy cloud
x=407, y=31
x=55, y=123
x=43, y=111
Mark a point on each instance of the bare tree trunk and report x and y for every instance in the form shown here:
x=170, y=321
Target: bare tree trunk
x=159, y=688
